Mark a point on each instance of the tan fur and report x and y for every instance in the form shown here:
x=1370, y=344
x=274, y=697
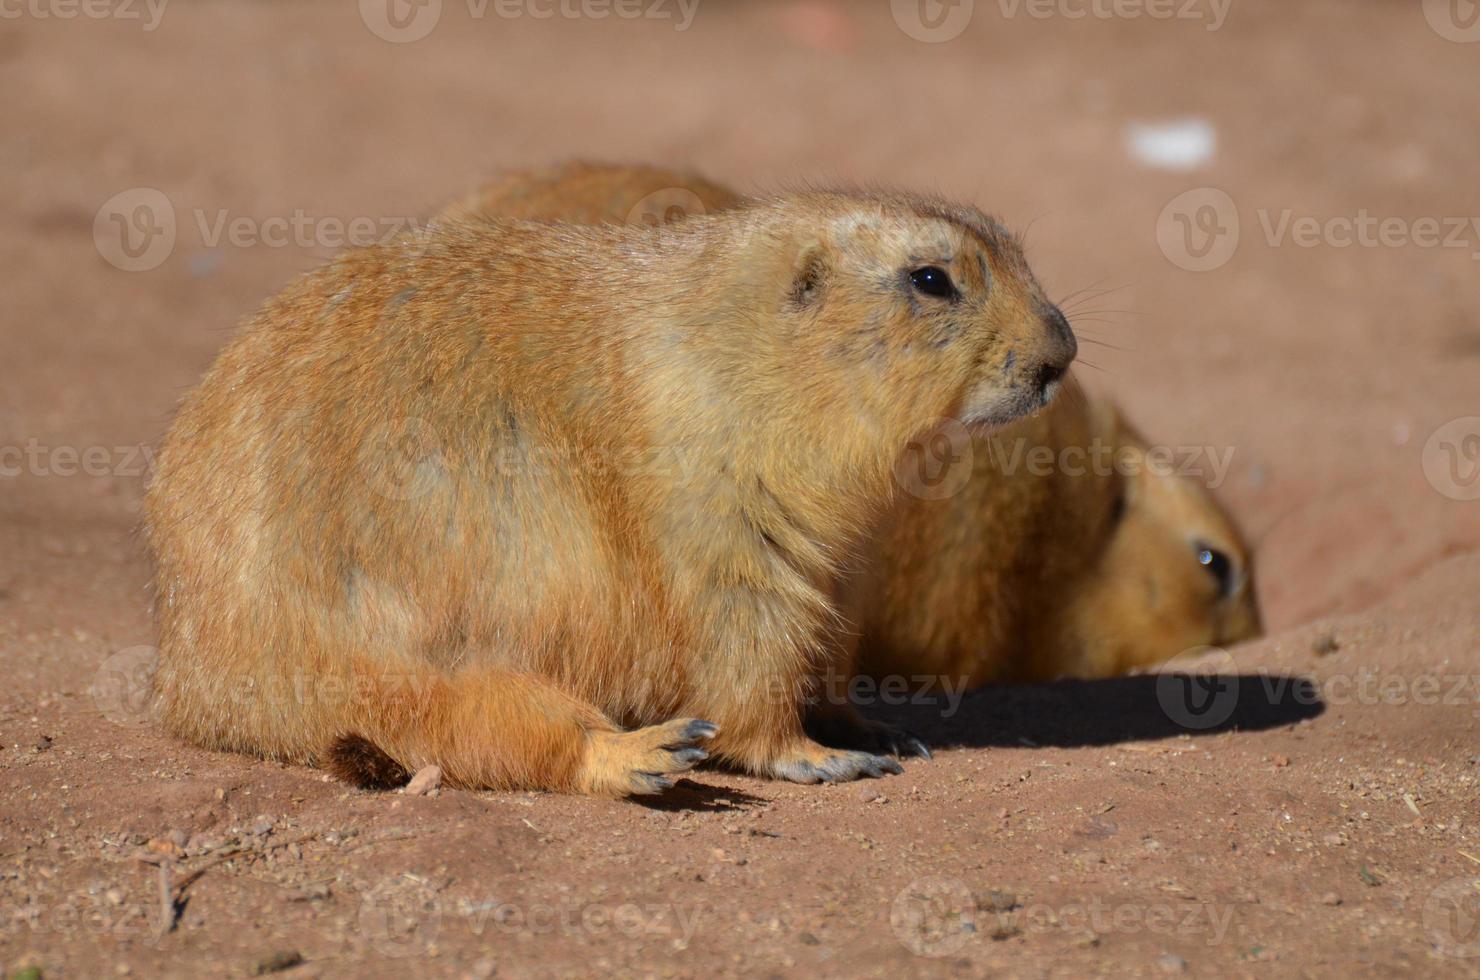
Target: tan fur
x=488, y=496
x=1022, y=574
x=594, y=194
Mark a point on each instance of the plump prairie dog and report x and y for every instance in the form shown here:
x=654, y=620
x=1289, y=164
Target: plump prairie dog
x=563, y=507
x=1098, y=564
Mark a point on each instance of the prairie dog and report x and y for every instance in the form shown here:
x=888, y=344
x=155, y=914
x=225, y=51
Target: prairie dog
x=1078, y=569
x=563, y=507
x=1086, y=570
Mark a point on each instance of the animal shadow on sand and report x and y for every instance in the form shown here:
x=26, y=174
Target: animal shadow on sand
x=1064, y=714
x=1081, y=713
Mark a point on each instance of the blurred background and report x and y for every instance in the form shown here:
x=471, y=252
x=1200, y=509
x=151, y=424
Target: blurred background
x=1262, y=216
x=1193, y=176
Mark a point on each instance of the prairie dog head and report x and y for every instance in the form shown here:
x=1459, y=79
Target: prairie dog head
x=909, y=305
x=1168, y=570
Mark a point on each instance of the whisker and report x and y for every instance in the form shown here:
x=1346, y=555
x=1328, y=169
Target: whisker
x=1023, y=235
x=1098, y=343
x=1080, y=292
x=1071, y=313
x=1097, y=321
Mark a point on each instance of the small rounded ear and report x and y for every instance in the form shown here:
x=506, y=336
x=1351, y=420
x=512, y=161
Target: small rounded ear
x=1110, y=422
x=809, y=275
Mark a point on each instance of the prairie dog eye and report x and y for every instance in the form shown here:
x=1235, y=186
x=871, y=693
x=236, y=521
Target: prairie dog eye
x=1217, y=565
x=932, y=280
x=1117, y=509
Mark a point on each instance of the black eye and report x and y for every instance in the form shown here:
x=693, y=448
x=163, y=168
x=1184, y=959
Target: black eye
x=932, y=280
x=1117, y=509
x=1218, y=566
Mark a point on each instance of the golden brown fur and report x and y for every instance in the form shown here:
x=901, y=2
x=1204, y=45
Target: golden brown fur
x=489, y=496
x=594, y=194
x=1086, y=568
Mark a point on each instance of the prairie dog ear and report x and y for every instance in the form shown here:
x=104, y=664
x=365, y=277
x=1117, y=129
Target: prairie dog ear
x=809, y=274
x=1108, y=422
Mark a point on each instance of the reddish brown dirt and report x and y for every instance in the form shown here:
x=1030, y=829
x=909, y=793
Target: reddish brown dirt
x=1328, y=825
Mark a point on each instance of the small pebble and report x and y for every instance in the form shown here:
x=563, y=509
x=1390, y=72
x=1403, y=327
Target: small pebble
x=1003, y=929
x=311, y=893
x=426, y=782
x=1325, y=644
x=1171, y=963
x=283, y=959
x=996, y=901
x=1331, y=898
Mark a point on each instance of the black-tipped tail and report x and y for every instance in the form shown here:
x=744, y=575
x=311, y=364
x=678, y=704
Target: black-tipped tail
x=360, y=762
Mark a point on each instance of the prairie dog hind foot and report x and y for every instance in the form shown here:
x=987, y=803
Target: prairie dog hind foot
x=645, y=761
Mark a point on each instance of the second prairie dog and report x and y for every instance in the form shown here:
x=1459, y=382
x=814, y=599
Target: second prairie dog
x=1016, y=574
x=563, y=507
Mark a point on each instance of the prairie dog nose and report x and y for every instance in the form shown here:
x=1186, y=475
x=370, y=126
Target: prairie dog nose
x=1060, y=332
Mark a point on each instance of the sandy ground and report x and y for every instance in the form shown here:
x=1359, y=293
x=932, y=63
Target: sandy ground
x=1322, y=820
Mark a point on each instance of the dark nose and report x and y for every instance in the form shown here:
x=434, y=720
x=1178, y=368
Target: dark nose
x=1058, y=328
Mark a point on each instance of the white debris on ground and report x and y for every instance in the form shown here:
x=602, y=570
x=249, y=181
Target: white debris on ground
x=1178, y=144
